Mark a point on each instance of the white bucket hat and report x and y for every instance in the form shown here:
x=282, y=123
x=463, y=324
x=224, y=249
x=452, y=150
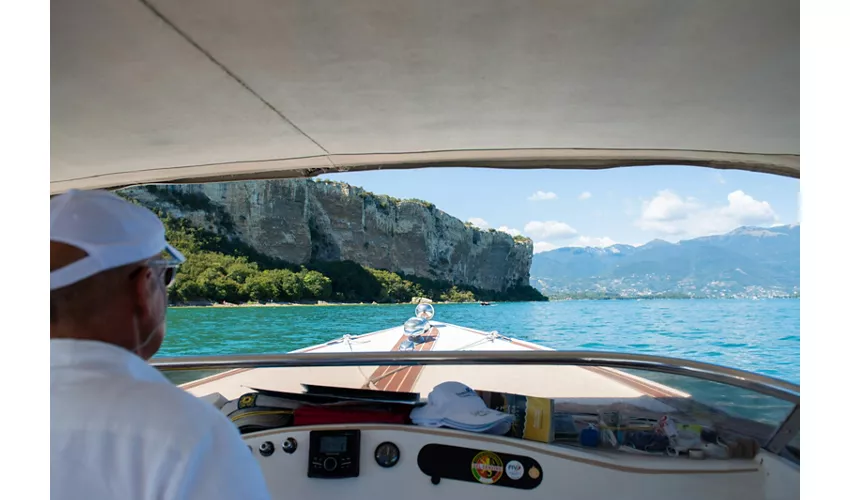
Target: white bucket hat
x=111, y=230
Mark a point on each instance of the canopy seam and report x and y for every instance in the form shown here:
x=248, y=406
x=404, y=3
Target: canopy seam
x=232, y=74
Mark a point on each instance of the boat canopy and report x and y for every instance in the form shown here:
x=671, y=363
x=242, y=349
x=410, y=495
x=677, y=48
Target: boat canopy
x=153, y=91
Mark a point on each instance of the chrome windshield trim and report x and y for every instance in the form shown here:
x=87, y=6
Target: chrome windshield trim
x=770, y=386
x=789, y=429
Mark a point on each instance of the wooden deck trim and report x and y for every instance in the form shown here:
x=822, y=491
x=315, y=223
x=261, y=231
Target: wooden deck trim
x=402, y=379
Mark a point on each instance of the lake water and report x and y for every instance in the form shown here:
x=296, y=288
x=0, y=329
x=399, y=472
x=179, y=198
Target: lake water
x=761, y=336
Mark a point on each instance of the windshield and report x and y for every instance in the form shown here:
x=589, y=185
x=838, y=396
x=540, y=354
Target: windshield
x=759, y=336
x=681, y=262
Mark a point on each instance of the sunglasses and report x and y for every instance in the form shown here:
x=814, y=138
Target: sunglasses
x=168, y=275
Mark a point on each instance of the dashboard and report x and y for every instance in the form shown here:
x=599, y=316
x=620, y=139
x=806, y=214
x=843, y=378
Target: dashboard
x=383, y=461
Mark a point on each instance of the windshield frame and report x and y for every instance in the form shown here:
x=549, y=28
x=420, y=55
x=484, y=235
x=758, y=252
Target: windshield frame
x=762, y=384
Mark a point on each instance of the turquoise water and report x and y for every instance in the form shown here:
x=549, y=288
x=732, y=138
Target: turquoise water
x=761, y=336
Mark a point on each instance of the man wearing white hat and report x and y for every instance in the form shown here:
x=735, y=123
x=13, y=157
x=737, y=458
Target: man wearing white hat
x=118, y=428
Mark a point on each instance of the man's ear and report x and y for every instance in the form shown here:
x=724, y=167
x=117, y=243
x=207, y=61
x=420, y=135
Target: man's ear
x=142, y=291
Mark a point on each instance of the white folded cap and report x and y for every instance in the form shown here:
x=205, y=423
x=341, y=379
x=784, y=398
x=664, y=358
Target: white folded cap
x=111, y=230
x=454, y=404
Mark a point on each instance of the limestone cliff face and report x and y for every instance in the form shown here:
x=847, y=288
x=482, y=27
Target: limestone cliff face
x=303, y=220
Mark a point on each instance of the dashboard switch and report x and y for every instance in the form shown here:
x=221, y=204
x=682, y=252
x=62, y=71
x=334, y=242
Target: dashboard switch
x=267, y=448
x=290, y=445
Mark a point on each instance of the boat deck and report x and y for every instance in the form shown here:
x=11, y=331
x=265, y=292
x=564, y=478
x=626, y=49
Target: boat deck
x=583, y=385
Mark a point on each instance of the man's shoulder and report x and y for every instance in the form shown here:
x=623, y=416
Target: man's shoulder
x=168, y=395
x=167, y=406
x=151, y=409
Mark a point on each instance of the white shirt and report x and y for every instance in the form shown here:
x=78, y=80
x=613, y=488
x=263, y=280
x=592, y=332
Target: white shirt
x=120, y=430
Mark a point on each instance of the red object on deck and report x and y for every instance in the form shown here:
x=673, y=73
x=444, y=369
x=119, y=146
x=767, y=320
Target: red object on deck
x=321, y=415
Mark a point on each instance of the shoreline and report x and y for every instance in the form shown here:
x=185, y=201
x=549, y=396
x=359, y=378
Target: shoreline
x=337, y=304
x=298, y=304
x=282, y=304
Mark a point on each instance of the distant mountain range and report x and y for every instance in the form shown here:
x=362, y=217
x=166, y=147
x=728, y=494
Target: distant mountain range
x=747, y=262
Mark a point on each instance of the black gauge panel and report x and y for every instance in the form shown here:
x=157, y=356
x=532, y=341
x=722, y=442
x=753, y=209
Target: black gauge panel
x=479, y=466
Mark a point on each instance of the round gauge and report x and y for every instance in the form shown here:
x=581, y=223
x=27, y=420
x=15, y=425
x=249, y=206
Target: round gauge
x=387, y=454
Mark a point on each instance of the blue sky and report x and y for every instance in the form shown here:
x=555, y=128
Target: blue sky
x=596, y=208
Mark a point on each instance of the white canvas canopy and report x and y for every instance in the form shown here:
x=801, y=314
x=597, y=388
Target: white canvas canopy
x=204, y=90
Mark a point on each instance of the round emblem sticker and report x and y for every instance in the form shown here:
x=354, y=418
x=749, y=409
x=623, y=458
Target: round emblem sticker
x=514, y=470
x=487, y=467
x=534, y=473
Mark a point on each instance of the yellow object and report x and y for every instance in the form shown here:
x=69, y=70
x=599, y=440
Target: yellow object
x=690, y=427
x=262, y=412
x=538, y=420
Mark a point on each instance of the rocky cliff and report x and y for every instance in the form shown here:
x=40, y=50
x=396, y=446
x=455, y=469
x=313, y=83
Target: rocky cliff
x=301, y=221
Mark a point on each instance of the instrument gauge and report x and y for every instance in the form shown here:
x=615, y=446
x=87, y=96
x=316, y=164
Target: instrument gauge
x=387, y=454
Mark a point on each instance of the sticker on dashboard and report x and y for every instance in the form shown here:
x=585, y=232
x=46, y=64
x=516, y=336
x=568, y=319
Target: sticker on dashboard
x=487, y=467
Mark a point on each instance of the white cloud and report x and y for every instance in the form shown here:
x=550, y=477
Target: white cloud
x=670, y=215
x=747, y=210
x=592, y=241
x=667, y=206
x=549, y=229
x=543, y=195
x=511, y=231
x=483, y=224
x=478, y=222
x=550, y=235
x=543, y=246
x=584, y=196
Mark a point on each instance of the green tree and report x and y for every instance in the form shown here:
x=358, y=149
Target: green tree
x=456, y=295
x=315, y=284
x=261, y=288
x=393, y=287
